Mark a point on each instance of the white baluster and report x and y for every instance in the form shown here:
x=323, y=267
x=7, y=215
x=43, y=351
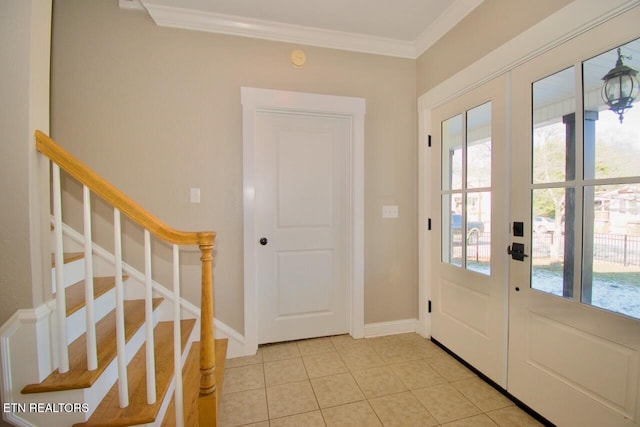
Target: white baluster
x=148, y=316
x=123, y=386
x=61, y=305
x=177, y=341
x=92, y=347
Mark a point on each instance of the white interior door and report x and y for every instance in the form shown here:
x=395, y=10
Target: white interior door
x=302, y=196
x=469, y=265
x=574, y=333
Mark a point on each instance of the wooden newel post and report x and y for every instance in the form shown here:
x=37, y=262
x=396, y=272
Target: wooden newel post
x=207, y=405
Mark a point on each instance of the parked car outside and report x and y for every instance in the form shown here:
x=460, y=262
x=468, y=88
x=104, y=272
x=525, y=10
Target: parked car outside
x=474, y=228
x=543, y=224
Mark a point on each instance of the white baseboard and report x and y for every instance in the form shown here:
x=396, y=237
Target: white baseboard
x=236, y=347
x=390, y=328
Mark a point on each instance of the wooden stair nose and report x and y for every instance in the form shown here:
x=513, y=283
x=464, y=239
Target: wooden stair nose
x=191, y=384
x=78, y=376
x=74, y=294
x=68, y=257
x=109, y=413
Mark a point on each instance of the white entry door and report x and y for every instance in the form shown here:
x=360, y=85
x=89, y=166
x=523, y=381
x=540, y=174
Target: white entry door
x=574, y=318
x=469, y=265
x=302, y=202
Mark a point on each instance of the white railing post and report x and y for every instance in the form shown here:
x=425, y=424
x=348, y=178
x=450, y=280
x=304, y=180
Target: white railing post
x=123, y=387
x=177, y=341
x=148, y=316
x=92, y=346
x=61, y=304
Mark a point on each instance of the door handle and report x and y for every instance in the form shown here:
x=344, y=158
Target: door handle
x=263, y=241
x=516, y=250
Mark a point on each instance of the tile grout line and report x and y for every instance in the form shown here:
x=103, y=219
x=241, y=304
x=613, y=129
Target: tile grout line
x=311, y=384
x=456, y=384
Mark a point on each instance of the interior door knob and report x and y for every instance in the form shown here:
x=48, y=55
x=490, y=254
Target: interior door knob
x=264, y=241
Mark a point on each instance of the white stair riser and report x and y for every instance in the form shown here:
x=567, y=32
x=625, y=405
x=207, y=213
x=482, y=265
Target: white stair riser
x=73, y=273
x=94, y=394
x=76, y=322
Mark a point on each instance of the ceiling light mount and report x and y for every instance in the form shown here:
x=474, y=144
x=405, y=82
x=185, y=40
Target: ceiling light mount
x=298, y=58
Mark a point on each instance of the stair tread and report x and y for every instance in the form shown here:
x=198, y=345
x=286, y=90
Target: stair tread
x=74, y=294
x=68, y=257
x=109, y=413
x=191, y=384
x=78, y=376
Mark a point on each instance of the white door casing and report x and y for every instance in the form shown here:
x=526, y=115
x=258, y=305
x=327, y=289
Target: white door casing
x=261, y=104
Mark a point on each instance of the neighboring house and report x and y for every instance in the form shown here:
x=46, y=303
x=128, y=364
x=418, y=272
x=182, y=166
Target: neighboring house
x=156, y=110
x=618, y=211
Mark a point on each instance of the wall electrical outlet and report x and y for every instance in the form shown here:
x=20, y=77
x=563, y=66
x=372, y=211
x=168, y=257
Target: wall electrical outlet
x=390, y=212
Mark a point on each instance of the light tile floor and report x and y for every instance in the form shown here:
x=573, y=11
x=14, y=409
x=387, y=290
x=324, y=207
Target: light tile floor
x=396, y=381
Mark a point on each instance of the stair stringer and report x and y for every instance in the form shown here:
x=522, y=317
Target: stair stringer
x=104, y=261
x=75, y=240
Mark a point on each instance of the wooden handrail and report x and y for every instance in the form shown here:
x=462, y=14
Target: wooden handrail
x=117, y=198
x=209, y=394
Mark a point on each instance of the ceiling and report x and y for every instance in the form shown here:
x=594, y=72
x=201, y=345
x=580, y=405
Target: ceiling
x=401, y=28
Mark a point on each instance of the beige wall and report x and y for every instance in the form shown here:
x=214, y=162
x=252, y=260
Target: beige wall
x=489, y=26
x=24, y=85
x=157, y=111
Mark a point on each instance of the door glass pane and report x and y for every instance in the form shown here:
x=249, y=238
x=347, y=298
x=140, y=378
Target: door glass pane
x=466, y=189
x=452, y=139
x=610, y=139
x=478, y=234
x=552, y=240
x=611, y=248
x=452, y=229
x=479, y=146
x=553, y=130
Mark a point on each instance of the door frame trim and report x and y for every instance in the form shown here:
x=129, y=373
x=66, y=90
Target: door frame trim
x=568, y=22
x=256, y=100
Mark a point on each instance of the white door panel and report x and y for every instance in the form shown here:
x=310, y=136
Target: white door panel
x=302, y=210
x=574, y=363
x=469, y=275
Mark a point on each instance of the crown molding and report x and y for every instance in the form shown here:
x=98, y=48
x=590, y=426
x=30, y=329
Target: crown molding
x=130, y=4
x=167, y=16
x=455, y=13
x=188, y=19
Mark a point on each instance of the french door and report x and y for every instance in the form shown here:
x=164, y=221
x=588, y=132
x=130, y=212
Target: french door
x=574, y=292
x=469, y=276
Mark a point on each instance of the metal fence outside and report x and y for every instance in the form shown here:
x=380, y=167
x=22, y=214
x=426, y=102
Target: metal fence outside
x=615, y=248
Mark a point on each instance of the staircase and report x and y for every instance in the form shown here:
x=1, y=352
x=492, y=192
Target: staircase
x=117, y=341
